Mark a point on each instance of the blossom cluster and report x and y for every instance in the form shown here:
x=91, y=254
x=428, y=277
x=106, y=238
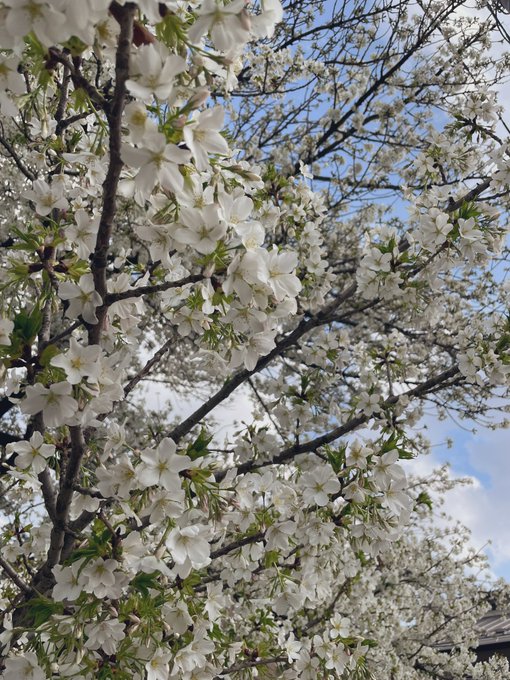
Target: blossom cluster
x=143, y=245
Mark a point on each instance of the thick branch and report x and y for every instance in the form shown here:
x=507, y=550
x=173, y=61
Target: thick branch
x=114, y=113
x=352, y=424
x=241, y=376
x=149, y=290
x=44, y=579
x=63, y=502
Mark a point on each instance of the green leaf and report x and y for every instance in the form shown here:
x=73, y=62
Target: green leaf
x=29, y=241
x=424, y=499
x=45, y=78
x=404, y=454
x=47, y=355
x=467, y=210
x=81, y=99
x=336, y=458
x=199, y=447
x=88, y=552
x=170, y=30
x=42, y=609
x=271, y=558
x=28, y=324
x=106, y=672
x=75, y=46
x=144, y=582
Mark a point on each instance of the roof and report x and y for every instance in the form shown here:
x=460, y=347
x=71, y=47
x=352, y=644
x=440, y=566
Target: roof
x=494, y=628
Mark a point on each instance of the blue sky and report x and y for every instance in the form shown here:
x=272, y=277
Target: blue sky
x=483, y=506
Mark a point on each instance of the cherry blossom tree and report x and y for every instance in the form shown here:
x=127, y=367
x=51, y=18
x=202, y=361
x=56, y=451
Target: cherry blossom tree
x=418, y=603
x=301, y=208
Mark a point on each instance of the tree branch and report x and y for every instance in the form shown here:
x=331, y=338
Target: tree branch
x=252, y=664
x=155, y=359
x=238, y=378
x=149, y=290
x=114, y=114
x=63, y=502
x=79, y=80
x=15, y=578
x=235, y=545
x=17, y=159
x=313, y=444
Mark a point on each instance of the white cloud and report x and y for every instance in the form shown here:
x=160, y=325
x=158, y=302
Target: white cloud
x=484, y=505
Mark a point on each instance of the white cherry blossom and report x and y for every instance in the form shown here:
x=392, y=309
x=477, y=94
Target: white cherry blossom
x=319, y=485
x=69, y=581
x=162, y=465
x=152, y=74
x=281, y=276
x=202, y=136
x=188, y=543
x=158, y=666
x=100, y=576
x=158, y=162
x=33, y=454
x=201, y=229
x=79, y=362
x=104, y=635
x=226, y=23
x=6, y=328
x=26, y=667
x=55, y=402
x=83, y=298
x=83, y=232
x=47, y=197
x=24, y=16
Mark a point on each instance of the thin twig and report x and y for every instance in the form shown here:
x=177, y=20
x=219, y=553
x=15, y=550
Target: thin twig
x=63, y=334
x=79, y=80
x=267, y=411
x=15, y=578
x=87, y=491
x=253, y=663
x=155, y=359
x=17, y=159
x=235, y=545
